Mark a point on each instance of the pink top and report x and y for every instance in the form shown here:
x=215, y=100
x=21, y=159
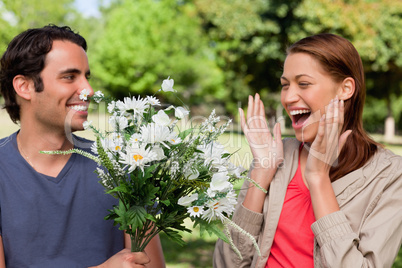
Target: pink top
x=293, y=243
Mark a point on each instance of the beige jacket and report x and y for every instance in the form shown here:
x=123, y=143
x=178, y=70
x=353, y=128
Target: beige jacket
x=366, y=232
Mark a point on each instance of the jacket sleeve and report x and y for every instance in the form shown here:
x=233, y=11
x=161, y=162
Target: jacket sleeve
x=379, y=237
x=249, y=221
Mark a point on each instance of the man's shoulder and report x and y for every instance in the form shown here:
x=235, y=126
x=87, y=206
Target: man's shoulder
x=6, y=142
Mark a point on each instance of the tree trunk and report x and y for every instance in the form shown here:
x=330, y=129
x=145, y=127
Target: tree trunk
x=389, y=134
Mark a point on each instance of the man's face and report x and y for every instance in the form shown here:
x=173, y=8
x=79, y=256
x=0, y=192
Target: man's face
x=64, y=76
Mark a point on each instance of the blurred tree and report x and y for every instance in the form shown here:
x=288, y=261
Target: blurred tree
x=375, y=28
x=144, y=41
x=250, y=37
x=19, y=15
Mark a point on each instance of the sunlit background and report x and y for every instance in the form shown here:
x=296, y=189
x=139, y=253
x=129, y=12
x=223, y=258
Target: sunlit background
x=219, y=52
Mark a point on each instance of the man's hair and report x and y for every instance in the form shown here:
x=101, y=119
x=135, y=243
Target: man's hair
x=26, y=55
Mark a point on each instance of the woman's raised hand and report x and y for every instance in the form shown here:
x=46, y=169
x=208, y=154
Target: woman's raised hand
x=325, y=149
x=267, y=150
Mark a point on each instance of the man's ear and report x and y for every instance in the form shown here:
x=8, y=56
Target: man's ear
x=23, y=86
x=347, y=88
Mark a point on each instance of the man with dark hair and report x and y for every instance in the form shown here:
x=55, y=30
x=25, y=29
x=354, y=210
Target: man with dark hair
x=52, y=206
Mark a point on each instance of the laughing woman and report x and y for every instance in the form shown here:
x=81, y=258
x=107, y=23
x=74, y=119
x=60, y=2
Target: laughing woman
x=334, y=196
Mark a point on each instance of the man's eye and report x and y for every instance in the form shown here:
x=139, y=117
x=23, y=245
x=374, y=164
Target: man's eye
x=69, y=77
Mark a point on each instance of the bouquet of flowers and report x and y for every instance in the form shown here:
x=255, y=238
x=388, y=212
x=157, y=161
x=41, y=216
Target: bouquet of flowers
x=161, y=173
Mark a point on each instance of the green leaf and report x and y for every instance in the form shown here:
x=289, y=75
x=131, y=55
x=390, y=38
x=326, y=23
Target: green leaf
x=165, y=202
x=212, y=228
x=174, y=236
x=185, y=133
x=121, y=189
x=150, y=217
x=122, y=216
x=137, y=216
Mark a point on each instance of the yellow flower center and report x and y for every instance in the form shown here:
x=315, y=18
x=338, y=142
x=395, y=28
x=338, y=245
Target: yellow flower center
x=196, y=209
x=117, y=148
x=137, y=157
x=173, y=140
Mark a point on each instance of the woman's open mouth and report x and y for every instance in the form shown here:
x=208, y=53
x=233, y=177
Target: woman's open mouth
x=299, y=117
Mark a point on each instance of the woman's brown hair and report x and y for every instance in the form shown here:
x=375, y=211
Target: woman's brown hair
x=341, y=60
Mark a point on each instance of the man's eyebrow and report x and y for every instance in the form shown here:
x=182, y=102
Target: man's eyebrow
x=74, y=71
x=70, y=71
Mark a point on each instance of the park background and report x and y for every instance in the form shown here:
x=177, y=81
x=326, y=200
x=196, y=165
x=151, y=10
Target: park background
x=219, y=52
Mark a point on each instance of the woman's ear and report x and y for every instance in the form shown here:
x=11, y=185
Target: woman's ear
x=23, y=86
x=347, y=89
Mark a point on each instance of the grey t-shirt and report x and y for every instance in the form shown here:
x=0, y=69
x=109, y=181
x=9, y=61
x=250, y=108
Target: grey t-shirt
x=54, y=222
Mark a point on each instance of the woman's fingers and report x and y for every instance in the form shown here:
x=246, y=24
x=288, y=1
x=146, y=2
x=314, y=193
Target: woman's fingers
x=321, y=129
x=243, y=121
x=250, y=108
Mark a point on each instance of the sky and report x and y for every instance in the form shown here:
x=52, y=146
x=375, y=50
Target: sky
x=89, y=7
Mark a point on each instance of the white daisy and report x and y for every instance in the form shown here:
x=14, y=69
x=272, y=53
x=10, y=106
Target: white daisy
x=135, y=139
x=98, y=96
x=118, y=122
x=213, y=154
x=195, y=211
x=154, y=133
x=111, y=106
x=138, y=106
x=217, y=207
x=153, y=101
x=87, y=124
x=137, y=157
x=174, y=139
x=84, y=94
x=111, y=144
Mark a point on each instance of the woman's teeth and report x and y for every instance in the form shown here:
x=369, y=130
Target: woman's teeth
x=295, y=112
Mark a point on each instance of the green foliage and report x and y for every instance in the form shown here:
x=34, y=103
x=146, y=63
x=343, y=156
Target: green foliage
x=144, y=41
x=18, y=15
x=249, y=39
x=211, y=229
x=220, y=51
x=374, y=113
x=376, y=34
x=398, y=260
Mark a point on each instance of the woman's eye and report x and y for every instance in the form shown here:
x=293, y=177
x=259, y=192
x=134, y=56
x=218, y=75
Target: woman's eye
x=304, y=84
x=285, y=86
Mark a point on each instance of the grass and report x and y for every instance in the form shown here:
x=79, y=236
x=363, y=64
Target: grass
x=198, y=250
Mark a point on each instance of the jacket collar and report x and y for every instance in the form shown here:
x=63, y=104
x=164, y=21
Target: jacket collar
x=352, y=183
